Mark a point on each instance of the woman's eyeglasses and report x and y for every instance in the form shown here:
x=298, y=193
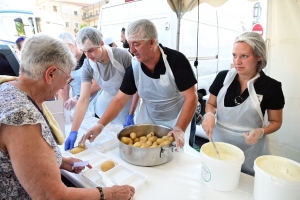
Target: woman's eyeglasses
x=238, y=100
x=70, y=79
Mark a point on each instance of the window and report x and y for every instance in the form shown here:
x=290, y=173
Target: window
x=91, y=14
x=54, y=8
x=67, y=24
x=76, y=25
x=65, y=10
x=75, y=12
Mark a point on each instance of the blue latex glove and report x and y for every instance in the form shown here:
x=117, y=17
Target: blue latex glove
x=69, y=143
x=129, y=120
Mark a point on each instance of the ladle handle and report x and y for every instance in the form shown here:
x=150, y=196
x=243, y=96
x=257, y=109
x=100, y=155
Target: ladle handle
x=215, y=148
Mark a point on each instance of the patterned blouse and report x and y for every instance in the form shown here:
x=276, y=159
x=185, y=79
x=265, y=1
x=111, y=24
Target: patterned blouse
x=16, y=108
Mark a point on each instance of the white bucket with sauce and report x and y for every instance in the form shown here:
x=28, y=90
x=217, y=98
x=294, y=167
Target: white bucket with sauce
x=276, y=178
x=224, y=174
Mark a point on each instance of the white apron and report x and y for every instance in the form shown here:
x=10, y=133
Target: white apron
x=76, y=87
x=110, y=88
x=232, y=122
x=161, y=100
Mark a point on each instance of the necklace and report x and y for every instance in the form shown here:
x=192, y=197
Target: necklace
x=30, y=92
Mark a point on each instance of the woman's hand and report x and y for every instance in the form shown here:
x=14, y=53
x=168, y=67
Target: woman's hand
x=92, y=133
x=253, y=136
x=67, y=164
x=124, y=192
x=208, y=124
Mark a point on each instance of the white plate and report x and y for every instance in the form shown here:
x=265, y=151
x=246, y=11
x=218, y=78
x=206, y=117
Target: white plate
x=136, y=180
x=91, y=174
x=87, y=154
x=104, y=142
x=98, y=160
x=66, y=154
x=113, y=129
x=118, y=174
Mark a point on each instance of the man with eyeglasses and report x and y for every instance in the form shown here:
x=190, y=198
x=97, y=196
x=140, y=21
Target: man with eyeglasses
x=70, y=102
x=164, y=80
x=107, y=67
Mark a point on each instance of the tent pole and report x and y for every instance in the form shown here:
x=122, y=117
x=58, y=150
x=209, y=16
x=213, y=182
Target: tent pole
x=178, y=24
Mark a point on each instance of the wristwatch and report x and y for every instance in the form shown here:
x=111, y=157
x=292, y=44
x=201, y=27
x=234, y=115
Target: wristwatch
x=77, y=96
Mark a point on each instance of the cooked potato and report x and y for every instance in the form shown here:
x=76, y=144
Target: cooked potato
x=136, y=140
x=130, y=141
x=166, y=142
x=76, y=150
x=150, y=134
x=171, y=139
x=159, y=141
x=133, y=135
x=81, y=146
x=107, y=165
x=145, y=145
x=154, y=145
x=152, y=138
x=149, y=143
x=143, y=138
x=125, y=140
x=165, y=137
x=137, y=144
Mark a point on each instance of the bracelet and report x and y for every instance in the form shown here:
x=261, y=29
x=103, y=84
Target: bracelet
x=102, y=197
x=130, y=114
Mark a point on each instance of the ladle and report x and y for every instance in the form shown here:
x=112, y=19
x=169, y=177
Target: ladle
x=219, y=156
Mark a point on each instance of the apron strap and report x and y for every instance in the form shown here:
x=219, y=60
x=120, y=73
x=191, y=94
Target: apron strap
x=168, y=68
x=115, y=63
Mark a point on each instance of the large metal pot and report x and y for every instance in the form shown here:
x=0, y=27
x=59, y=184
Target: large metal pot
x=145, y=156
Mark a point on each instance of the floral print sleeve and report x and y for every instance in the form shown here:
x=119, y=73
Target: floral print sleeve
x=17, y=109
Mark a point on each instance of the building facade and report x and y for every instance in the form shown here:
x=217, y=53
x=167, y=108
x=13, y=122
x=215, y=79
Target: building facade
x=70, y=12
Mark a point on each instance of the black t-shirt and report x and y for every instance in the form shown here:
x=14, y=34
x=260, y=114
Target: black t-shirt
x=269, y=88
x=180, y=66
x=80, y=62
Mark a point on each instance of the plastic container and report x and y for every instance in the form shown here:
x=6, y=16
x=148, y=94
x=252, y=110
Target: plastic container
x=224, y=174
x=276, y=178
x=118, y=175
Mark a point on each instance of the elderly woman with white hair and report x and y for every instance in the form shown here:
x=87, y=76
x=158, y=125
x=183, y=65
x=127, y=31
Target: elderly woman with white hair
x=30, y=157
x=239, y=99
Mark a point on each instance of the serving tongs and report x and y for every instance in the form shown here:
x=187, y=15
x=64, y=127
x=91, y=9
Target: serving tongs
x=219, y=156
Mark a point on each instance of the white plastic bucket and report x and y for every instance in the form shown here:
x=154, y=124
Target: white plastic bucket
x=224, y=174
x=276, y=178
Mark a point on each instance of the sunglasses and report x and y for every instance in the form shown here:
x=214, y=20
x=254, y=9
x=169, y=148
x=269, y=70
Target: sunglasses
x=70, y=79
x=238, y=100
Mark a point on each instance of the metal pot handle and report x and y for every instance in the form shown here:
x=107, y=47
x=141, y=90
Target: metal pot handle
x=165, y=150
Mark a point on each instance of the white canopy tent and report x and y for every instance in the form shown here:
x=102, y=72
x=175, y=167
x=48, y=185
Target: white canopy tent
x=180, y=7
